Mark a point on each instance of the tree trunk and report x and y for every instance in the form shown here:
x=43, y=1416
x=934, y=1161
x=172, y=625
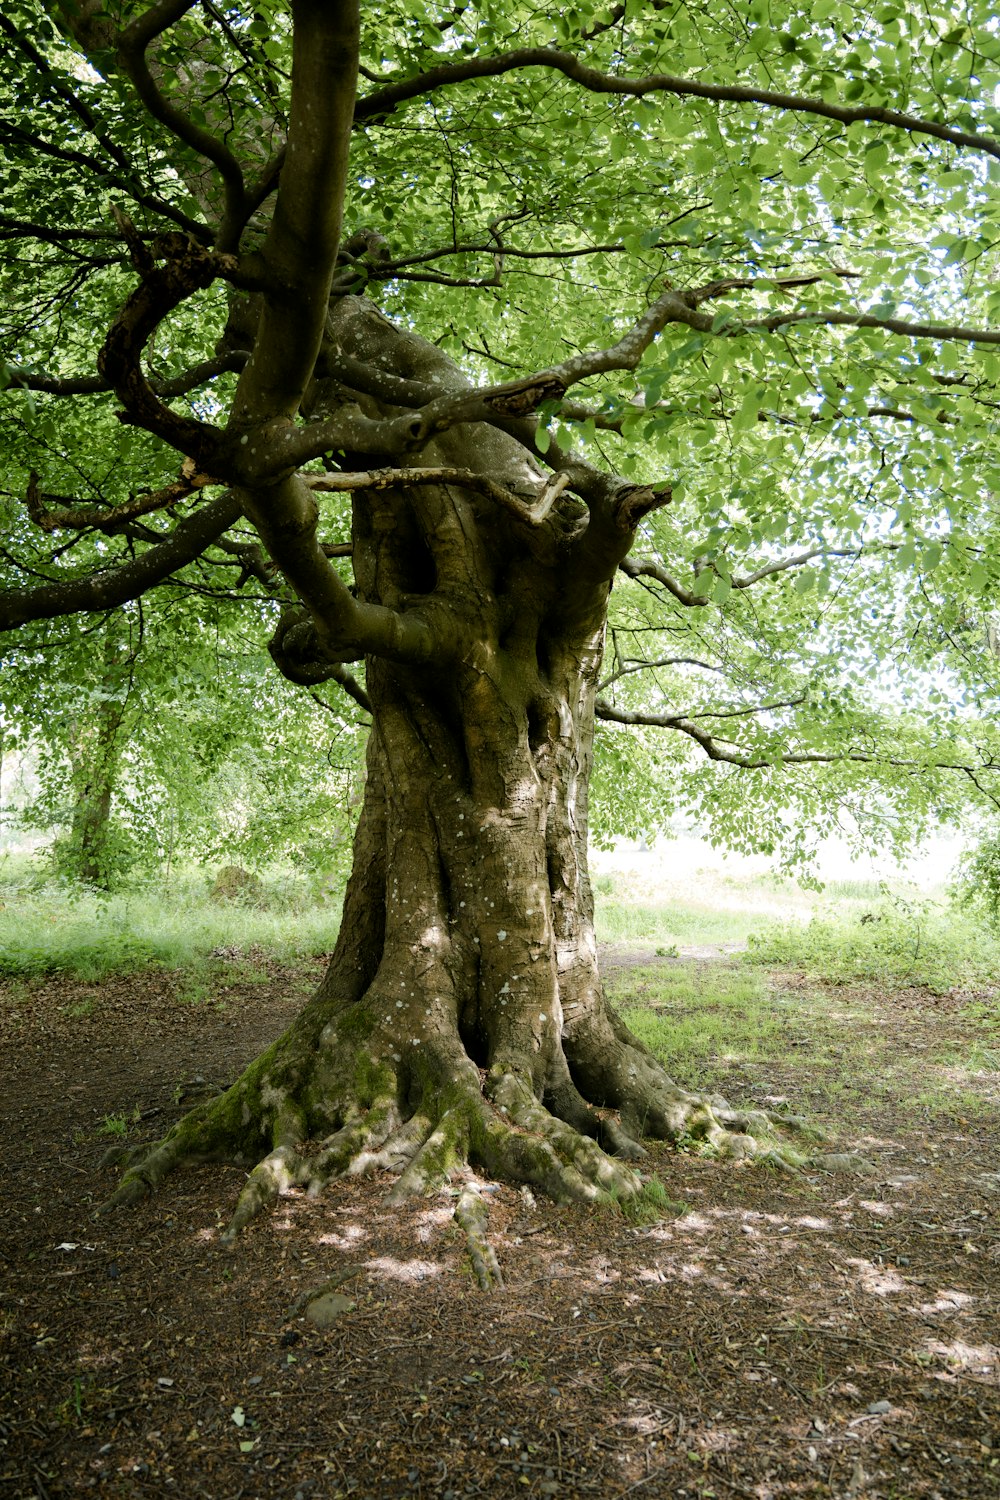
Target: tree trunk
x=95, y=756
x=462, y=1019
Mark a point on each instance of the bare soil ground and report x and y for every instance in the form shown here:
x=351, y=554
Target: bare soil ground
x=823, y=1336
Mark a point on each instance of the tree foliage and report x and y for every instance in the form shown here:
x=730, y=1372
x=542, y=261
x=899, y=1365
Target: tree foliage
x=792, y=205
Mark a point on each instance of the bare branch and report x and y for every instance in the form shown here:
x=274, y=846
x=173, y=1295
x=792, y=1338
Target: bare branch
x=383, y=479
x=650, y=569
x=798, y=561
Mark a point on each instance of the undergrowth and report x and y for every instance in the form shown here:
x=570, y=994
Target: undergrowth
x=55, y=927
x=895, y=940
x=649, y=1205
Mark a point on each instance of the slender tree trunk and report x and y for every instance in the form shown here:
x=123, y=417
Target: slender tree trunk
x=96, y=757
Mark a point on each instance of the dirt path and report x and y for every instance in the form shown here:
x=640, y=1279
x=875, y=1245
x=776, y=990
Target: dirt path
x=781, y=1338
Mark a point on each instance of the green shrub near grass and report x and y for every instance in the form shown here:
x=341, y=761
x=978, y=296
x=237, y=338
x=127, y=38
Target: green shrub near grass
x=54, y=927
x=893, y=941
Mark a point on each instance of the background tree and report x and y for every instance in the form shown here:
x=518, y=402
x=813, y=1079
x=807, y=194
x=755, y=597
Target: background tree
x=689, y=298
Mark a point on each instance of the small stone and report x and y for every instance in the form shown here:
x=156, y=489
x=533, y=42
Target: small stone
x=844, y=1161
x=324, y=1311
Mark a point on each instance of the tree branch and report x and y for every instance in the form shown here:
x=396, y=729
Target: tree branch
x=383, y=479
x=132, y=47
x=50, y=513
x=111, y=179
x=386, y=99
x=649, y=568
x=683, y=309
x=114, y=586
x=187, y=268
x=721, y=752
x=83, y=385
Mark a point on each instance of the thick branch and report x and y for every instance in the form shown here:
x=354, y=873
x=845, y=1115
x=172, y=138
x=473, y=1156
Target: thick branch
x=187, y=269
x=84, y=385
x=300, y=250
x=385, y=100
x=113, y=586
x=511, y=400
x=133, y=44
x=337, y=627
x=50, y=513
x=383, y=479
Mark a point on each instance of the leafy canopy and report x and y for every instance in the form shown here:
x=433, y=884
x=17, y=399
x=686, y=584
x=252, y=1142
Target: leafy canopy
x=786, y=212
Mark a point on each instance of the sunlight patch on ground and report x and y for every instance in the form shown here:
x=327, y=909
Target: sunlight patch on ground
x=981, y=1359
x=881, y=1281
x=410, y=1271
x=432, y=1223
x=947, y=1301
x=349, y=1236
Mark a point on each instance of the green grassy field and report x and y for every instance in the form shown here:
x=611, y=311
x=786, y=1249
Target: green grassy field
x=49, y=927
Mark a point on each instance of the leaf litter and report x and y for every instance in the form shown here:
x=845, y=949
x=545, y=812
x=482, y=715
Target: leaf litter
x=783, y=1337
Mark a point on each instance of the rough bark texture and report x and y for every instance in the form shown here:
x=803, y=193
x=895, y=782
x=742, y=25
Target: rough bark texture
x=462, y=1018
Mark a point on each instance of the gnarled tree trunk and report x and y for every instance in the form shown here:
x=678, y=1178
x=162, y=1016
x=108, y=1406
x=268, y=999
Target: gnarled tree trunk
x=462, y=1018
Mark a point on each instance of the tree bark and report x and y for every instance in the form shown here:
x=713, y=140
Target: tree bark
x=95, y=757
x=462, y=1020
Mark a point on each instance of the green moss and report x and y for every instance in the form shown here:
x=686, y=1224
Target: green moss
x=357, y=1023
x=648, y=1206
x=373, y=1081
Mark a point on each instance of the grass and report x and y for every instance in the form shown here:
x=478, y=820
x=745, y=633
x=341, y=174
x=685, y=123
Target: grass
x=52, y=927
x=733, y=1029
x=705, y=907
x=691, y=1021
x=895, y=940
x=651, y=1204
x=836, y=1043
x=729, y=1026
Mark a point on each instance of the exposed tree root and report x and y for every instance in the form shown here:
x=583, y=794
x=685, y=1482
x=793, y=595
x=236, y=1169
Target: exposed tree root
x=470, y=1213
x=307, y=1115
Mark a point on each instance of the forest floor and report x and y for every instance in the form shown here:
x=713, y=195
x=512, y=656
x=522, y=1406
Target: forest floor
x=778, y=1337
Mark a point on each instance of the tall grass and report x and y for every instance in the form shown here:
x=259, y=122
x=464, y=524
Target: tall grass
x=894, y=941
x=49, y=927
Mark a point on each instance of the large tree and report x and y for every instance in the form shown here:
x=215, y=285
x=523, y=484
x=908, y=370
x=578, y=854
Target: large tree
x=441, y=321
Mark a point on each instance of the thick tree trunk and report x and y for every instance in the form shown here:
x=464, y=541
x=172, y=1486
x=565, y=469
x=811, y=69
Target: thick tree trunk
x=462, y=1020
